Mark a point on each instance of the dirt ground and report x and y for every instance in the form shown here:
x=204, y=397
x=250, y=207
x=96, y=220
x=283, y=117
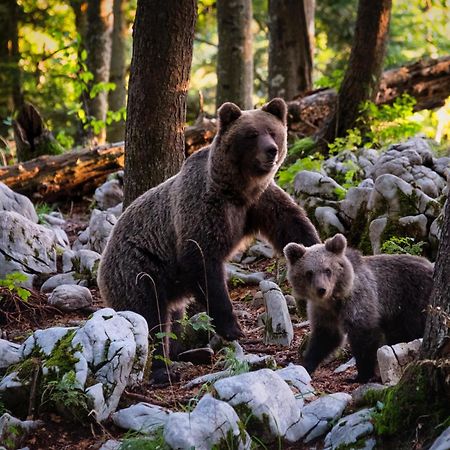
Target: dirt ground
x=58, y=433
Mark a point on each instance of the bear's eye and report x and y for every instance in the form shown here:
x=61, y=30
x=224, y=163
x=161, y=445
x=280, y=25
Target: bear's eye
x=309, y=275
x=251, y=135
x=328, y=272
x=273, y=135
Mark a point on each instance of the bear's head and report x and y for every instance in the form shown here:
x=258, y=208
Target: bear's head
x=254, y=141
x=320, y=273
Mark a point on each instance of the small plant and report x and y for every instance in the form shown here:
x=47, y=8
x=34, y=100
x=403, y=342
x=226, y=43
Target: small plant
x=12, y=283
x=236, y=281
x=136, y=441
x=234, y=365
x=312, y=162
x=42, y=209
x=403, y=246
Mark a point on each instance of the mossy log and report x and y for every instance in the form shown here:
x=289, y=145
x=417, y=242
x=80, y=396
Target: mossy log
x=72, y=174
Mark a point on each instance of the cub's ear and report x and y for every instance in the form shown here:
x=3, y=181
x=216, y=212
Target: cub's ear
x=278, y=108
x=227, y=114
x=337, y=244
x=294, y=252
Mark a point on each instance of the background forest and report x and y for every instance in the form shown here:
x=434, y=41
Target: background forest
x=57, y=55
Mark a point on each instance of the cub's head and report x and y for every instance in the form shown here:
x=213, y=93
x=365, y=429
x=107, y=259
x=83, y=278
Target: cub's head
x=321, y=272
x=254, y=141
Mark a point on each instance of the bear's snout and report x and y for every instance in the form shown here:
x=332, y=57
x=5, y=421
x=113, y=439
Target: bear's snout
x=321, y=291
x=271, y=152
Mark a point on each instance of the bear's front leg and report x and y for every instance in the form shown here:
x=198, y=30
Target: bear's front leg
x=364, y=343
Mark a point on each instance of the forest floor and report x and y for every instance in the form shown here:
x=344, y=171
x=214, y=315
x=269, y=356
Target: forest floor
x=59, y=433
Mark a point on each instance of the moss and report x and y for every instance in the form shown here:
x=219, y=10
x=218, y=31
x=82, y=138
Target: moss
x=419, y=397
x=62, y=357
x=360, y=443
x=255, y=426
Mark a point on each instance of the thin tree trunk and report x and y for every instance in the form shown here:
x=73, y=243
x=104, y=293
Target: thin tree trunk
x=436, y=341
x=98, y=45
x=117, y=97
x=162, y=54
x=235, y=55
x=11, y=96
x=290, y=47
x=365, y=65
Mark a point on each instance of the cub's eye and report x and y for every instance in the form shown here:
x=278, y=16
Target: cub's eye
x=273, y=135
x=328, y=272
x=309, y=275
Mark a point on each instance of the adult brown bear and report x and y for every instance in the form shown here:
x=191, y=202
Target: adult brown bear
x=172, y=241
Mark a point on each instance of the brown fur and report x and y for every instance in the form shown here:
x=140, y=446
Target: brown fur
x=173, y=240
x=367, y=297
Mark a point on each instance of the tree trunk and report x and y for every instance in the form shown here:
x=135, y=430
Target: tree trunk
x=72, y=174
x=162, y=54
x=11, y=97
x=362, y=76
x=290, y=47
x=235, y=55
x=117, y=97
x=436, y=341
x=98, y=45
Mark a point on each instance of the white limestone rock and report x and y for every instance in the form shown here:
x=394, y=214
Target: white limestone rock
x=355, y=203
x=141, y=417
x=69, y=278
x=12, y=201
x=350, y=430
x=26, y=246
x=15, y=431
x=212, y=424
x=9, y=353
x=328, y=220
x=238, y=275
x=298, y=377
x=314, y=184
x=100, y=227
x=109, y=194
x=265, y=397
x=317, y=417
x=443, y=441
x=261, y=249
x=392, y=360
x=278, y=327
x=69, y=297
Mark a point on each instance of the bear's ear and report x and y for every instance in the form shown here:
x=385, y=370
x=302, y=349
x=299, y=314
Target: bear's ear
x=227, y=114
x=278, y=108
x=337, y=244
x=294, y=252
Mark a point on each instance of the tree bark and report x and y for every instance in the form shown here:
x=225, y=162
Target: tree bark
x=235, y=55
x=11, y=96
x=98, y=45
x=290, y=47
x=118, y=97
x=72, y=174
x=362, y=76
x=436, y=341
x=162, y=54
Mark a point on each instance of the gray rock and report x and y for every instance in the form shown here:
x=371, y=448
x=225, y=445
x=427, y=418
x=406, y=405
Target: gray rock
x=442, y=166
x=68, y=297
x=12, y=201
x=278, y=328
x=443, y=441
x=258, y=300
x=142, y=417
x=54, y=219
x=239, y=275
x=317, y=417
x=208, y=378
x=265, y=397
x=100, y=227
x=212, y=424
x=254, y=362
x=358, y=395
x=9, y=353
x=86, y=263
x=116, y=210
x=416, y=226
x=328, y=220
x=392, y=359
x=343, y=367
x=299, y=378
x=355, y=202
x=368, y=183
x=314, y=184
x=15, y=431
x=351, y=430
x=111, y=444
x=376, y=229
x=67, y=264
x=337, y=166
x=26, y=246
x=109, y=194
x=62, y=279
x=261, y=249
x=82, y=240
x=430, y=182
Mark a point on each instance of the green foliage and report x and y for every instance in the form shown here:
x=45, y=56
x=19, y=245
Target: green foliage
x=203, y=322
x=403, y=246
x=312, y=162
x=301, y=148
x=139, y=442
x=12, y=282
x=234, y=365
x=42, y=209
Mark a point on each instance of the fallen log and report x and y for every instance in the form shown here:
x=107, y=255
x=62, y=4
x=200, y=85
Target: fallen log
x=72, y=174
x=51, y=178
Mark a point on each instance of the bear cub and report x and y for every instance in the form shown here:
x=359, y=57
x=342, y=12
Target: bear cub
x=172, y=242
x=367, y=297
